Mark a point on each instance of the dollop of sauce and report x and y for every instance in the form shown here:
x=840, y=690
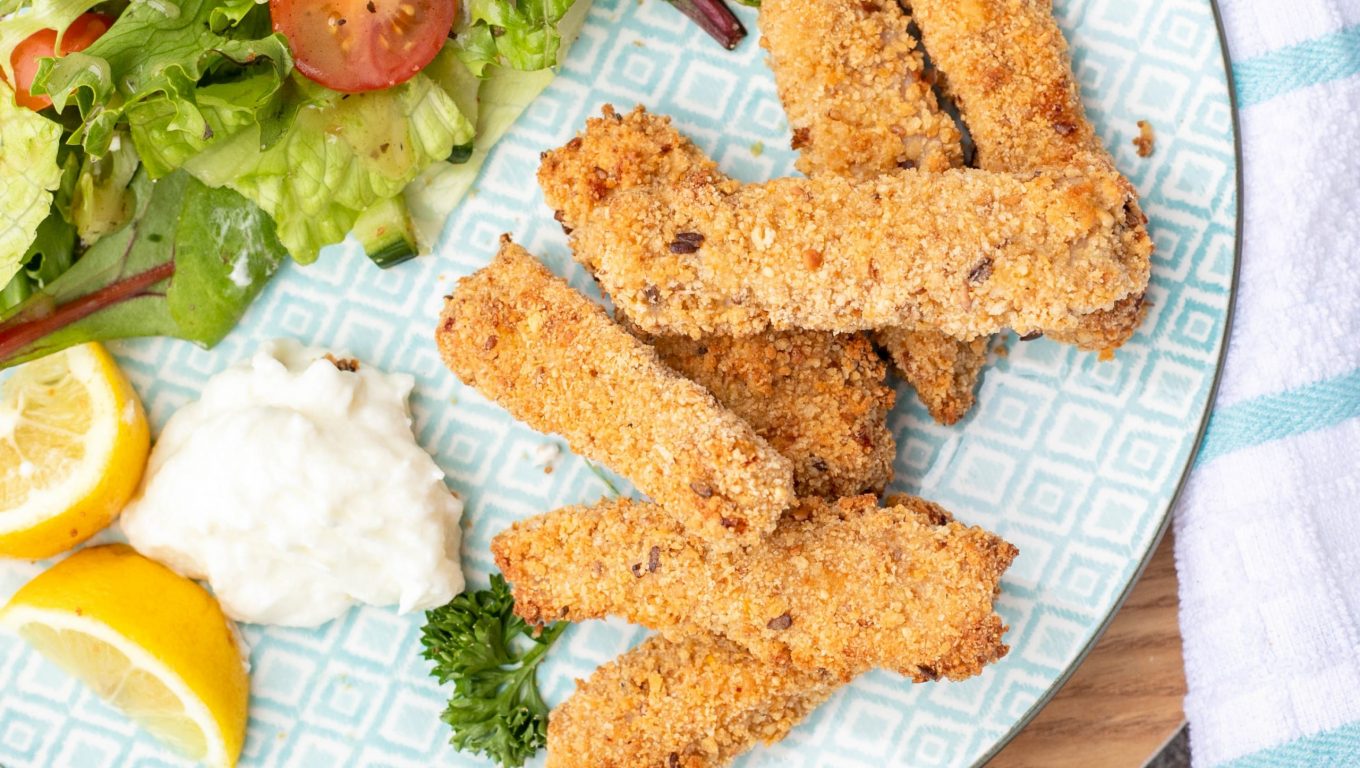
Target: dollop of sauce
x=295, y=487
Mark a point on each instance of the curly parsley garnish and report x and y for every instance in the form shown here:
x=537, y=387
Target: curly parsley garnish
x=491, y=656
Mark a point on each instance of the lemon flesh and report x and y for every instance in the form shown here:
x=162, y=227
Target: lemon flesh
x=147, y=640
x=73, y=445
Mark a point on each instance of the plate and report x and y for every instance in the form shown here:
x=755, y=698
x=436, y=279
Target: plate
x=1073, y=460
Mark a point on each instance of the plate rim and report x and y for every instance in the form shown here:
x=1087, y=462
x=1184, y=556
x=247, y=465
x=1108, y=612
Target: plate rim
x=1165, y=522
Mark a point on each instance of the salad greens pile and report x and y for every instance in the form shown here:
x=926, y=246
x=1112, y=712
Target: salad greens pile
x=184, y=142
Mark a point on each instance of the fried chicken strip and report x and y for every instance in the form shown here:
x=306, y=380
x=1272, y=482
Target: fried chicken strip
x=554, y=359
x=1007, y=66
x=965, y=252
x=854, y=87
x=692, y=702
x=819, y=398
x=853, y=82
x=844, y=587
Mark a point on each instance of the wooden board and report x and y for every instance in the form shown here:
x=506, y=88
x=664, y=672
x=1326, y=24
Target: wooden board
x=1124, y=702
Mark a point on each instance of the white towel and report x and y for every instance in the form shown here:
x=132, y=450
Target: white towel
x=1268, y=531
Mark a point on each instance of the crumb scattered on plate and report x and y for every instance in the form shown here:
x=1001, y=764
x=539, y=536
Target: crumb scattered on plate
x=1146, y=140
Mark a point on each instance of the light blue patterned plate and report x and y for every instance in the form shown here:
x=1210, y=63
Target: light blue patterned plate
x=1073, y=460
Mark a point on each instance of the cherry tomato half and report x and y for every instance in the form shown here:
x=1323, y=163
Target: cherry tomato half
x=87, y=28
x=363, y=45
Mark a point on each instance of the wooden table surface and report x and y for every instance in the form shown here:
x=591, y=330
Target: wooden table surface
x=1124, y=701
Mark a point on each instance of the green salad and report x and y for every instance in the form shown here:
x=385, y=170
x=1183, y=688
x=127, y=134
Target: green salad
x=159, y=159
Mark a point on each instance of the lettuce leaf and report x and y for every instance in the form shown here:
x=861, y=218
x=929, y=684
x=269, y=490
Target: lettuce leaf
x=339, y=156
x=512, y=33
x=29, y=173
x=432, y=196
x=502, y=96
x=188, y=265
x=162, y=50
x=36, y=15
x=166, y=141
x=100, y=202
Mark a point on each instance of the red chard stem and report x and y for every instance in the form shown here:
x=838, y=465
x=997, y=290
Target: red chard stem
x=20, y=332
x=715, y=18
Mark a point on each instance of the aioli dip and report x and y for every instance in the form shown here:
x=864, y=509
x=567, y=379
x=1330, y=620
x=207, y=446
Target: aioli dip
x=295, y=488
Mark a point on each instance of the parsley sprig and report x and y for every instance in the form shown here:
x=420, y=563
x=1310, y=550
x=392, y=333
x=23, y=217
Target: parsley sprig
x=491, y=657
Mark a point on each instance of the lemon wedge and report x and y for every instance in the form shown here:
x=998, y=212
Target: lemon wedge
x=73, y=444
x=149, y=641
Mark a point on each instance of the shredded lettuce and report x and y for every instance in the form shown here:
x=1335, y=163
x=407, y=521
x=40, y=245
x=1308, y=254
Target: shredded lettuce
x=29, y=174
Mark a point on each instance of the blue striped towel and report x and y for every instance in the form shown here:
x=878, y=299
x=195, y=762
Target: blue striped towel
x=1268, y=532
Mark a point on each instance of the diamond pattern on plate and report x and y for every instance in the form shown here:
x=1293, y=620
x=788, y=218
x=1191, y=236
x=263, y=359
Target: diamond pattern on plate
x=1073, y=460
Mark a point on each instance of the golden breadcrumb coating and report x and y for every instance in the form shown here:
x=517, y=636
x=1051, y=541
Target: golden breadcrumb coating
x=1006, y=65
x=844, y=587
x=819, y=398
x=854, y=86
x=1146, y=140
x=853, y=83
x=695, y=701
x=553, y=359
x=943, y=369
x=691, y=702
x=616, y=152
x=965, y=252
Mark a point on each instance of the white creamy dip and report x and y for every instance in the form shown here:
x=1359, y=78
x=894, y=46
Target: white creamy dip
x=296, y=489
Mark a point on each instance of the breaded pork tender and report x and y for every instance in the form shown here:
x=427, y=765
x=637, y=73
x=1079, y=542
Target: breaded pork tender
x=854, y=86
x=844, y=587
x=691, y=702
x=820, y=398
x=966, y=252
x=943, y=369
x=1007, y=66
x=554, y=360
